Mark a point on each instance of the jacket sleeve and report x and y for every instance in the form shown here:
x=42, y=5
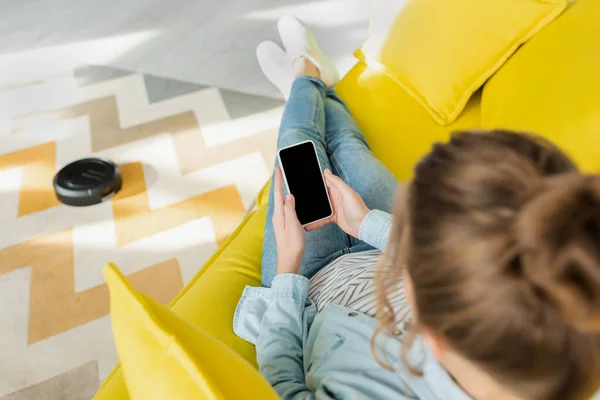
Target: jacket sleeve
x=375, y=229
x=283, y=333
x=281, y=341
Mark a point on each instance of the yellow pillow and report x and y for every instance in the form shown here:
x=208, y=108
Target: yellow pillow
x=442, y=51
x=552, y=86
x=398, y=130
x=165, y=357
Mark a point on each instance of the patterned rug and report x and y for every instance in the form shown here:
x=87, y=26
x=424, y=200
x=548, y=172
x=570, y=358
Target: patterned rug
x=192, y=159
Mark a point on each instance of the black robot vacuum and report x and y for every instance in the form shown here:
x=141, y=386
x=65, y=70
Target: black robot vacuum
x=87, y=182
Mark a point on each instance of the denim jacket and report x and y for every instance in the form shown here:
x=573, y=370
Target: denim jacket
x=305, y=355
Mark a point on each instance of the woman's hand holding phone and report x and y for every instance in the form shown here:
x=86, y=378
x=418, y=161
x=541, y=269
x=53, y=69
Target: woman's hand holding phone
x=349, y=209
x=289, y=233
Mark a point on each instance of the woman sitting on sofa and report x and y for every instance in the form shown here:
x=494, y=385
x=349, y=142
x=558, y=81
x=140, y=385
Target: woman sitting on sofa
x=494, y=245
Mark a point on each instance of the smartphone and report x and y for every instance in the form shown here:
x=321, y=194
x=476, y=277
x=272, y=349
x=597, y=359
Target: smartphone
x=303, y=178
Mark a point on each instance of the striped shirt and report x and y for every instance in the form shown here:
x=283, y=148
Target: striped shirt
x=349, y=281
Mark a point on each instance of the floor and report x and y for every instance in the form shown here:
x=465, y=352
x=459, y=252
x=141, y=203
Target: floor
x=192, y=159
x=170, y=90
x=208, y=42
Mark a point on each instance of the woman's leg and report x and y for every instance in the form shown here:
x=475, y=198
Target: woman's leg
x=304, y=119
x=352, y=160
x=349, y=154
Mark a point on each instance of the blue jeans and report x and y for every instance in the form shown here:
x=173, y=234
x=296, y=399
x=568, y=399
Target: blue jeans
x=314, y=112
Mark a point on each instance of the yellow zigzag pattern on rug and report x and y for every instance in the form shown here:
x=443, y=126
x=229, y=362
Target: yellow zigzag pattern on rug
x=39, y=161
x=56, y=307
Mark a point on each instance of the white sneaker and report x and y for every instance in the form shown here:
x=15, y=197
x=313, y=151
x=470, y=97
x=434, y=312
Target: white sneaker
x=277, y=66
x=299, y=41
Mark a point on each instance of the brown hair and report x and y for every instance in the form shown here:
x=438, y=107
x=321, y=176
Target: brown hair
x=500, y=234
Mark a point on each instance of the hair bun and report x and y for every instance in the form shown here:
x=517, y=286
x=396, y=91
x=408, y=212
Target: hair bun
x=558, y=231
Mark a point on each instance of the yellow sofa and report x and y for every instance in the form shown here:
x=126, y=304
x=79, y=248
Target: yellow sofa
x=400, y=131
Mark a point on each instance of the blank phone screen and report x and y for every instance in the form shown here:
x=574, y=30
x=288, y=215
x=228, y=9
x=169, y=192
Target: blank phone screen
x=305, y=182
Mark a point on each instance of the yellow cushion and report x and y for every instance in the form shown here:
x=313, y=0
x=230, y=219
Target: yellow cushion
x=397, y=128
x=165, y=357
x=210, y=299
x=552, y=86
x=442, y=51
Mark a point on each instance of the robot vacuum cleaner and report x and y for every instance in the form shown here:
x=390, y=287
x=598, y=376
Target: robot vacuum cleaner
x=87, y=182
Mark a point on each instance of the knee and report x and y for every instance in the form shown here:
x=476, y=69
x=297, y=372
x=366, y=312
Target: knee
x=297, y=134
x=347, y=140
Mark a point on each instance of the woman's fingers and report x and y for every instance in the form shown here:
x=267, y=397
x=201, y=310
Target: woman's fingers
x=290, y=211
x=317, y=225
x=333, y=181
x=291, y=219
x=278, y=195
x=337, y=187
